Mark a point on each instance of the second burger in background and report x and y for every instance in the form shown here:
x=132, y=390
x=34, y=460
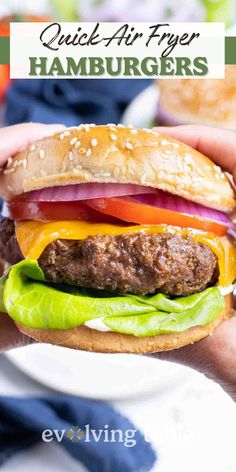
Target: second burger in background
x=198, y=101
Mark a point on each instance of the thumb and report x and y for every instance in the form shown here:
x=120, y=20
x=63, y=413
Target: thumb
x=213, y=356
x=217, y=144
x=13, y=138
x=10, y=336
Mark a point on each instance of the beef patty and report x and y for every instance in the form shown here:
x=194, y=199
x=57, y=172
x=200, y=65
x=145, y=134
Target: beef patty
x=129, y=263
x=135, y=263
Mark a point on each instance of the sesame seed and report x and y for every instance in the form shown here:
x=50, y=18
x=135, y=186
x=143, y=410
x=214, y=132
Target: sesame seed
x=164, y=142
x=24, y=163
x=88, y=152
x=217, y=169
x=111, y=124
x=94, y=142
x=77, y=144
x=106, y=174
x=113, y=137
x=129, y=145
x=33, y=147
x=71, y=156
x=9, y=161
x=42, y=154
x=62, y=136
x=167, y=152
x=66, y=133
x=73, y=141
x=86, y=127
x=76, y=171
x=43, y=173
x=130, y=126
x=112, y=128
x=133, y=131
x=120, y=125
x=131, y=167
x=149, y=131
x=116, y=172
x=82, y=151
x=143, y=178
x=15, y=163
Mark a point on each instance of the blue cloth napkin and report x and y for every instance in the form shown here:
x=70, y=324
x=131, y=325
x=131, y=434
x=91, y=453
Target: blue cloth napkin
x=24, y=420
x=70, y=102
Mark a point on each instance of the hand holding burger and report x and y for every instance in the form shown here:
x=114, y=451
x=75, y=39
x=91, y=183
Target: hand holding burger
x=12, y=139
x=215, y=355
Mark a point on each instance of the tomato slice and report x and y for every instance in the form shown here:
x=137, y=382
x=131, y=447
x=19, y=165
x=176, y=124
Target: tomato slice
x=4, y=79
x=6, y=20
x=131, y=211
x=20, y=209
x=117, y=210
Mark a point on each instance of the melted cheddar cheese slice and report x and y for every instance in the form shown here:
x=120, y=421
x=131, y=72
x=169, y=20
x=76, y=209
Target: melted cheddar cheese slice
x=34, y=236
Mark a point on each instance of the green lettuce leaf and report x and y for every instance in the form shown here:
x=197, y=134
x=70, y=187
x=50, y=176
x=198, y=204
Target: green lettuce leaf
x=163, y=303
x=2, y=287
x=200, y=309
x=32, y=301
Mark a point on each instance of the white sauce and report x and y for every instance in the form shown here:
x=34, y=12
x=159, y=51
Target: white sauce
x=226, y=290
x=97, y=324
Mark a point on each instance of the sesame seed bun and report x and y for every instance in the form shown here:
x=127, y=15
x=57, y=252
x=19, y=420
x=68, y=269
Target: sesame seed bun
x=115, y=154
x=206, y=101
x=87, y=339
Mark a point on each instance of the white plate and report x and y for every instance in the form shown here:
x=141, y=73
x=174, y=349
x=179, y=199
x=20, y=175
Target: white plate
x=143, y=109
x=98, y=376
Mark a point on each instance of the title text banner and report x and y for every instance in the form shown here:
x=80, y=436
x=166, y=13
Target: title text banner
x=117, y=50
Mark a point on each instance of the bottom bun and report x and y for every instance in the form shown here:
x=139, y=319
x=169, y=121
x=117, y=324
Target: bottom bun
x=87, y=339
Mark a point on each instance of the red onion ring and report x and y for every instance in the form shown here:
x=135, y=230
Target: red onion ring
x=84, y=192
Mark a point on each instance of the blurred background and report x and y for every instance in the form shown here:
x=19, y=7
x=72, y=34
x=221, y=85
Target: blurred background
x=191, y=422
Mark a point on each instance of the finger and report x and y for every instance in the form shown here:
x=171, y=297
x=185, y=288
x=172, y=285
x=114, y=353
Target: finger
x=13, y=138
x=10, y=336
x=195, y=356
x=217, y=144
x=213, y=356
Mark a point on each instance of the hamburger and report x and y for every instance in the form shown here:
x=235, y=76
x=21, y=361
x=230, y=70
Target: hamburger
x=116, y=240
x=199, y=101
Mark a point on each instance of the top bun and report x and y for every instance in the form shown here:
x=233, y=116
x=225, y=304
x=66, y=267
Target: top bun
x=207, y=101
x=116, y=154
